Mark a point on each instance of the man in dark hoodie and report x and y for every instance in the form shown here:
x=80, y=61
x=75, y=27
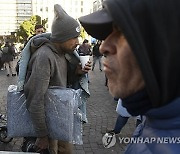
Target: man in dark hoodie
x=48, y=66
x=141, y=48
x=96, y=55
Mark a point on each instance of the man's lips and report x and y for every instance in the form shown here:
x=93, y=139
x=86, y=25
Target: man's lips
x=107, y=69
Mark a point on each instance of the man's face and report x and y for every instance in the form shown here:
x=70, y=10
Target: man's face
x=39, y=31
x=68, y=46
x=121, y=68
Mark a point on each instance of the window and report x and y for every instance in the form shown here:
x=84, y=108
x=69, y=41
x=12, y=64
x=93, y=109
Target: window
x=76, y=3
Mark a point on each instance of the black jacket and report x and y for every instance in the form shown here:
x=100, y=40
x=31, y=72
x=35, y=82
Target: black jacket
x=152, y=28
x=96, y=50
x=7, y=57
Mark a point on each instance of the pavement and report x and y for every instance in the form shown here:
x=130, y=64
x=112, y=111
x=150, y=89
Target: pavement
x=101, y=116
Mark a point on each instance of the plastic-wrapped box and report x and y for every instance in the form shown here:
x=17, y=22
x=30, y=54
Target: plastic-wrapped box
x=63, y=116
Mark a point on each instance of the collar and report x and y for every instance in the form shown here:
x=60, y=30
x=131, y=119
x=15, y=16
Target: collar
x=138, y=103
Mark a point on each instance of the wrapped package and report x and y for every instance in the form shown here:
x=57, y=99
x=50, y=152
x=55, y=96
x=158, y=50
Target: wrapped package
x=63, y=116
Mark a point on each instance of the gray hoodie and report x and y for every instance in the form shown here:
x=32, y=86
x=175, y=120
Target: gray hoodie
x=46, y=68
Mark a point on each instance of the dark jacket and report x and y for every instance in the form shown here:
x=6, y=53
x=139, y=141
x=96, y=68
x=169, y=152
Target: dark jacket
x=84, y=49
x=151, y=28
x=152, y=31
x=162, y=126
x=46, y=68
x=7, y=57
x=96, y=50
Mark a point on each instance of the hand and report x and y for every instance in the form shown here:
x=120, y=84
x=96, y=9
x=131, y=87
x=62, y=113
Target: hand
x=80, y=70
x=87, y=67
x=42, y=143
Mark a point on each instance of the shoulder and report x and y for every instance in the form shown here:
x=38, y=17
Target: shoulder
x=43, y=54
x=44, y=49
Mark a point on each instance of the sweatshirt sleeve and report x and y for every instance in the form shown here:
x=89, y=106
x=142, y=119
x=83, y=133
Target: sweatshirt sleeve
x=35, y=90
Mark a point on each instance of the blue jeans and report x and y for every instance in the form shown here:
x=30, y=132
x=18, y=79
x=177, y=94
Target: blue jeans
x=120, y=123
x=94, y=62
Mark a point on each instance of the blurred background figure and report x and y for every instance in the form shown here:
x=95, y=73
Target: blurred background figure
x=16, y=51
x=38, y=29
x=1, y=62
x=7, y=59
x=85, y=48
x=97, y=55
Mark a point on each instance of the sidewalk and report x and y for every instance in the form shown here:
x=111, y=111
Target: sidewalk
x=100, y=112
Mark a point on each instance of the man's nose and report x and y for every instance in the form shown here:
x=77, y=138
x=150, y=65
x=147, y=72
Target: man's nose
x=101, y=48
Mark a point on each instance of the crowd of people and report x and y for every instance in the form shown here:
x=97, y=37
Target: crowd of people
x=9, y=52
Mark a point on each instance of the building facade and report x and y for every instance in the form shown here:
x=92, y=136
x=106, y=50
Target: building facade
x=97, y=5
x=14, y=12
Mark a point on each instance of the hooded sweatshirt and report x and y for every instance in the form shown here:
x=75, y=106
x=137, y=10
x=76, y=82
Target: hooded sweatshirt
x=151, y=28
x=46, y=68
